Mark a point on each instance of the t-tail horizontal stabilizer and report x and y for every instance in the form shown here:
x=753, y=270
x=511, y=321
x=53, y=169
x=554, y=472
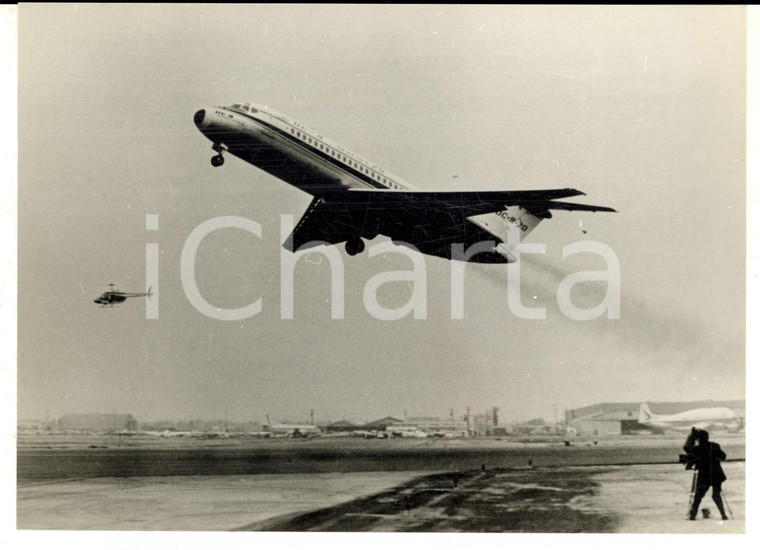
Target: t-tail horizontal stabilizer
x=559, y=205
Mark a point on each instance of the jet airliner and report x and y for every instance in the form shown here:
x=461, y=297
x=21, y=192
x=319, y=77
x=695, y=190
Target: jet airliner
x=712, y=417
x=354, y=199
x=292, y=430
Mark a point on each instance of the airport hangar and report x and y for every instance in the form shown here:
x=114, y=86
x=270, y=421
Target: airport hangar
x=97, y=422
x=623, y=418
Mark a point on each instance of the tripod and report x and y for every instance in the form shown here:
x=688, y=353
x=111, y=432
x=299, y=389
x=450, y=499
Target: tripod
x=726, y=504
x=694, y=491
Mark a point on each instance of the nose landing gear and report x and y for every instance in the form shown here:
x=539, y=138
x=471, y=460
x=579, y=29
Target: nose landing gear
x=354, y=246
x=217, y=160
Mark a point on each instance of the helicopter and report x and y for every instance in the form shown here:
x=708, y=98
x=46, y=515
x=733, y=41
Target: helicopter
x=114, y=297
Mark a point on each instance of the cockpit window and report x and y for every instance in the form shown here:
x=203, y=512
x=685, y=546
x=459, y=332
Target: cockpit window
x=235, y=105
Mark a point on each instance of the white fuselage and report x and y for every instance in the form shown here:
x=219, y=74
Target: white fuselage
x=693, y=418
x=315, y=164
x=290, y=429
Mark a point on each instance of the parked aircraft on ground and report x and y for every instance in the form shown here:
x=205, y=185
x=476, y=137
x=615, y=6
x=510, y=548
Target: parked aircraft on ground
x=705, y=418
x=355, y=199
x=292, y=430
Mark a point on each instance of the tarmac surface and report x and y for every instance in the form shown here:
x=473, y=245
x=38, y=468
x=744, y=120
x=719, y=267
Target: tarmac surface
x=188, y=503
x=640, y=499
x=379, y=486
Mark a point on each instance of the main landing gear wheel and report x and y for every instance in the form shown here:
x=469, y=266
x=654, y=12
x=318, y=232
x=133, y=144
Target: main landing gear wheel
x=354, y=246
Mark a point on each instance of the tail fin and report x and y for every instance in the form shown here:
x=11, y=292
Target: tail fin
x=510, y=226
x=513, y=218
x=645, y=415
x=521, y=220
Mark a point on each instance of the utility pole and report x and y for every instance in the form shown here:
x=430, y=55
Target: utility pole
x=312, y=417
x=556, y=422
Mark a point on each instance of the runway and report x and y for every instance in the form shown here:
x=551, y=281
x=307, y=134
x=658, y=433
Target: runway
x=189, y=503
x=623, y=486
x=627, y=499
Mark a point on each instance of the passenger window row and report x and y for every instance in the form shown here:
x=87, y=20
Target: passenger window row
x=342, y=158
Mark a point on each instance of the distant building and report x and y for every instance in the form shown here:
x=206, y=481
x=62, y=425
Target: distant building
x=380, y=425
x=97, y=422
x=623, y=418
x=341, y=426
x=34, y=426
x=485, y=424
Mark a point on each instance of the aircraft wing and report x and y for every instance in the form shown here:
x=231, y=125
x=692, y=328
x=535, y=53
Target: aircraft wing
x=470, y=203
x=433, y=215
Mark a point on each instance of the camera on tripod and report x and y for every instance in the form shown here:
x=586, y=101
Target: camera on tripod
x=687, y=461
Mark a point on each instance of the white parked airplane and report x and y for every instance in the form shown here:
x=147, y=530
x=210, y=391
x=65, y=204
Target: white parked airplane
x=355, y=199
x=714, y=417
x=293, y=430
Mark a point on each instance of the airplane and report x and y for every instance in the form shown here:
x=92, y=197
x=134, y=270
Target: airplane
x=355, y=199
x=114, y=297
x=715, y=417
x=292, y=430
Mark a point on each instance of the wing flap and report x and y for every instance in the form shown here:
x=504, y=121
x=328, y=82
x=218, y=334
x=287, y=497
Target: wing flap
x=322, y=223
x=559, y=205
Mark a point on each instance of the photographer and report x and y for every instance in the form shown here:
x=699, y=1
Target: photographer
x=706, y=457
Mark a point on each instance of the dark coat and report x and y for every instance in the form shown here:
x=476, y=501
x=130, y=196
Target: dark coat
x=706, y=458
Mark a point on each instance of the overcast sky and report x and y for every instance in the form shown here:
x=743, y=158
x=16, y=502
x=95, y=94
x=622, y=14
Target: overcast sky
x=642, y=108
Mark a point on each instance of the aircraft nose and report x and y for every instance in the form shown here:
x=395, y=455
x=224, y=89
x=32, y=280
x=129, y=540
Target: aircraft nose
x=199, y=117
